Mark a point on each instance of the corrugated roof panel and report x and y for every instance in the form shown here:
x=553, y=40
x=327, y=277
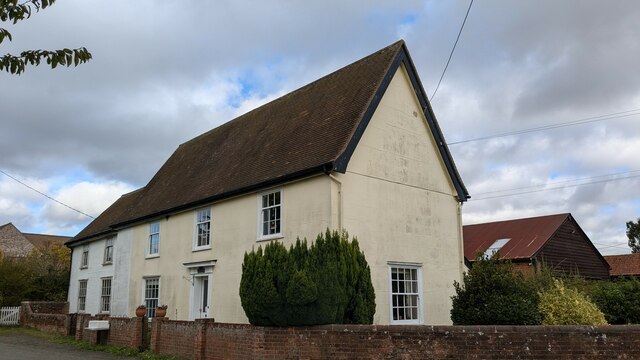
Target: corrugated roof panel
x=527, y=236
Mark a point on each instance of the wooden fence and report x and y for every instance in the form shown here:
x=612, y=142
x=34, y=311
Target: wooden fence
x=9, y=315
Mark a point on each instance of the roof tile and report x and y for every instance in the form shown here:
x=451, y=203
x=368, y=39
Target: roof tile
x=624, y=265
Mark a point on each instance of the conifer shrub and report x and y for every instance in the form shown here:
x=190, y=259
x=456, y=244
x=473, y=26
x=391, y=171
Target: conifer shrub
x=562, y=305
x=326, y=283
x=492, y=293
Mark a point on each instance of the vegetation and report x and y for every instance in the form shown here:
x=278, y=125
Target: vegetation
x=43, y=275
x=618, y=300
x=561, y=305
x=327, y=283
x=633, y=233
x=492, y=293
x=13, y=11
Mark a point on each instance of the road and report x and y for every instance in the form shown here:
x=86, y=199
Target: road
x=25, y=347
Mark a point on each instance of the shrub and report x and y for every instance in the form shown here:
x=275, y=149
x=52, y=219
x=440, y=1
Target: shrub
x=491, y=293
x=329, y=282
x=561, y=305
x=618, y=300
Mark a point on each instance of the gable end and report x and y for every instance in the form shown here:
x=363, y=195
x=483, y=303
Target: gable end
x=403, y=57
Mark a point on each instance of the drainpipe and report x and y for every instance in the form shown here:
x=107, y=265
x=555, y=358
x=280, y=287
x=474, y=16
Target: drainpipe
x=460, y=240
x=334, y=179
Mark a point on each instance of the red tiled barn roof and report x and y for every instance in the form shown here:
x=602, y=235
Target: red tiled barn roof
x=624, y=265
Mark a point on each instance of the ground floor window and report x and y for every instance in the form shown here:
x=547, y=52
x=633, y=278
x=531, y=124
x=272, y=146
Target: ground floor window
x=105, y=298
x=82, y=295
x=151, y=295
x=405, y=293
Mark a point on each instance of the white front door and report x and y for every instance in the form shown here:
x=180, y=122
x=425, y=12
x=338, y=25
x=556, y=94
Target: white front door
x=200, y=296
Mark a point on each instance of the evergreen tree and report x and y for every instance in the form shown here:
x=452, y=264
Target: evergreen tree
x=330, y=282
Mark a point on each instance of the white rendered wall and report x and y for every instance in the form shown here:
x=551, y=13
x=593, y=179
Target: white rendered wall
x=400, y=202
x=96, y=270
x=306, y=211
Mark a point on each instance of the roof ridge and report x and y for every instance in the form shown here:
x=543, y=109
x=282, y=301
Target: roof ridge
x=297, y=90
x=518, y=219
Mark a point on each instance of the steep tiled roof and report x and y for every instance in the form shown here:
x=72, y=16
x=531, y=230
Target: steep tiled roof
x=41, y=241
x=527, y=236
x=624, y=265
x=102, y=225
x=310, y=130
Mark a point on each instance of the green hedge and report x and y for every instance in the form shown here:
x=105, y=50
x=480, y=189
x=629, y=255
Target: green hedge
x=492, y=293
x=327, y=283
x=619, y=300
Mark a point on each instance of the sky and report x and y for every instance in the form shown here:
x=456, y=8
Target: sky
x=164, y=72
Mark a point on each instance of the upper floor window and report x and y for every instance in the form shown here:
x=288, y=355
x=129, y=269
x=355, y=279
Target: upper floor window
x=108, y=251
x=84, y=260
x=153, y=248
x=270, y=215
x=203, y=228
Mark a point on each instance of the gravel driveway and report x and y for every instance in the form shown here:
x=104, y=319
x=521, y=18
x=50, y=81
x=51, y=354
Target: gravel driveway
x=25, y=347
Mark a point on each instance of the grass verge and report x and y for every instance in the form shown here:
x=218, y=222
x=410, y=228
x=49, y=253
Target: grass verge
x=68, y=340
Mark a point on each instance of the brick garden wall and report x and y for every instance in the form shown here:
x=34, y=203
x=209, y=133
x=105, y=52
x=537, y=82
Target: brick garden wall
x=123, y=331
x=46, y=316
x=176, y=338
x=206, y=339
x=128, y=332
x=232, y=341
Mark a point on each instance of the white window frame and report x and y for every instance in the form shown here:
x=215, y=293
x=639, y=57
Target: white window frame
x=105, y=294
x=152, y=232
x=82, y=295
x=84, y=258
x=200, y=220
x=416, y=295
x=150, y=302
x=261, y=210
x=107, y=259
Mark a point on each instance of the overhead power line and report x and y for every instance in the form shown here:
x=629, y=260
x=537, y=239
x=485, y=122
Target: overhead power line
x=606, y=246
x=554, y=188
x=559, y=182
x=554, y=126
x=45, y=195
x=452, y=50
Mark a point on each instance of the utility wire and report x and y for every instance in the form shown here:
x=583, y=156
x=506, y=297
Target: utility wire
x=554, y=188
x=452, y=50
x=45, y=195
x=558, y=182
x=554, y=126
x=605, y=246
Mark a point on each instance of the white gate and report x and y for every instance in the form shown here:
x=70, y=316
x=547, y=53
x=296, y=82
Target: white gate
x=9, y=315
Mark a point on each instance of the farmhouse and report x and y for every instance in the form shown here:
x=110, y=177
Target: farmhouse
x=359, y=149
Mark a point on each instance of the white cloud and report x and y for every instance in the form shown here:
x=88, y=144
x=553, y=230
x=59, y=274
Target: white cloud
x=164, y=72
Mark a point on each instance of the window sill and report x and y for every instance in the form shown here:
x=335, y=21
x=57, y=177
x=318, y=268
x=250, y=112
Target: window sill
x=152, y=256
x=201, y=248
x=83, y=267
x=107, y=263
x=271, y=237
